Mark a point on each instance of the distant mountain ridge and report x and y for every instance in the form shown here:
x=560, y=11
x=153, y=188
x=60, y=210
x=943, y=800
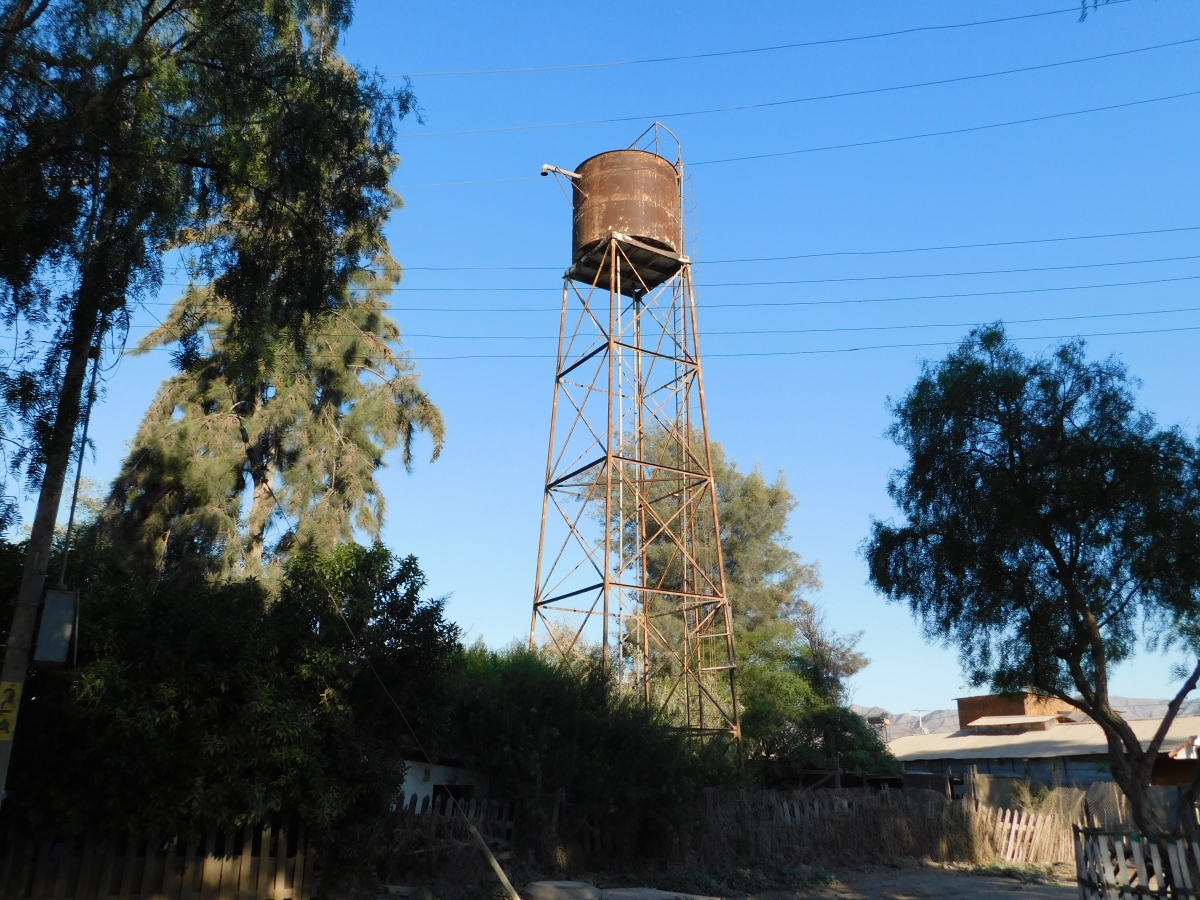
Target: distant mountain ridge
x=942, y=720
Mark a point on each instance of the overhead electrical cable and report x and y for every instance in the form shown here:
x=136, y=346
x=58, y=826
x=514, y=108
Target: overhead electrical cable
x=845, y=279
x=722, y=333
x=829, y=253
x=874, y=142
x=840, y=95
x=785, y=303
x=402, y=288
x=1012, y=243
x=948, y=132
x=706, y=333
x=844, y=302
x=715, y=54
x=824, y=351
x=1042, y=337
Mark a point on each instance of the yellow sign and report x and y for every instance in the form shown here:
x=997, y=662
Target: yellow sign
x=10, y=699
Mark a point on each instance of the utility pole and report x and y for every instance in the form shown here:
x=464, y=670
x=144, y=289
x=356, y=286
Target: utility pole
x=19, y=647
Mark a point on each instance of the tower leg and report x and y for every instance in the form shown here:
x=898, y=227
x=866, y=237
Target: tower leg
x=630, y=525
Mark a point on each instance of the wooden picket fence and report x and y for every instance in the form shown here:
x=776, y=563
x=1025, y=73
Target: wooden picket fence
x=1116, y=865
x=855, y=825
x=254, y=863
x=443, y=819
x=1024, y=836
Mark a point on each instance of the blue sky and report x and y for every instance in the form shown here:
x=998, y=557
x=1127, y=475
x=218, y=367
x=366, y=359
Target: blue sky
x=484, y=241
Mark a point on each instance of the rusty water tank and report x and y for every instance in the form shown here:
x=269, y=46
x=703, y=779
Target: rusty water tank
x=633, y=192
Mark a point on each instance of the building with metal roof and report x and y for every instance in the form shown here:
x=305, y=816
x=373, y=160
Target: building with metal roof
x=1045, y=748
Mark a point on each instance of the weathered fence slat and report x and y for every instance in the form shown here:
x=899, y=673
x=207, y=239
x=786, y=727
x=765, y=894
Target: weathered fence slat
x=279, y=852
x=1141, y=866
x=1185, y=875
x=132, y=867
x=1122, y=866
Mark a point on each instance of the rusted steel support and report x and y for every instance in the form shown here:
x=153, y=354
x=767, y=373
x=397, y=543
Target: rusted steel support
x=630, y=575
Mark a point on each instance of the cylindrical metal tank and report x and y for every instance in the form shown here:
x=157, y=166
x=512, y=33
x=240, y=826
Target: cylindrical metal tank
x=633, y=192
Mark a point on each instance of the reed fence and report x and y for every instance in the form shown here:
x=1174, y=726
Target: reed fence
x=253, y=863
x=1116, y=865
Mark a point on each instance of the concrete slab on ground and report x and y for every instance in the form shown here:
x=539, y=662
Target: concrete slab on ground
x=559, y=890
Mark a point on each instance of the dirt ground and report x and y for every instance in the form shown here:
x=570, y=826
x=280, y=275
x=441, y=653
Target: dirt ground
x=903, y=883
x=912, y=884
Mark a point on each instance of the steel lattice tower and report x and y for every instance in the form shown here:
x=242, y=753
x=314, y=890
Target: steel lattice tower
x=629, y=570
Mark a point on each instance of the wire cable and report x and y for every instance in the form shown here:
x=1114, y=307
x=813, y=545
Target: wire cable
x=790, y=303
x=874, y=142
x=831, y=253
x=948, y=132
x=840, y=280
x=850, y=279
x=821, y=42
x=840, y=95
x=722, y=333
x=1045, y=337
x=843, y=302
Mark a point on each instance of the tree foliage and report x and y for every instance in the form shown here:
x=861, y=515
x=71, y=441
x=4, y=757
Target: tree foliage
x=792, y=667
x=199, y=705
x=1048, y=525
x=127, y=128
x=302, y=447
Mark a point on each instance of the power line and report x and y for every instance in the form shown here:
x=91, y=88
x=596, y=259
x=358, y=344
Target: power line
x=946, y=133
x=840, y=95
x=773, y=331
x=1045, y=337
x=784, y=303
x=829, y=253
x=855, y=328
x=822, y=42
x=838, y=280
x=875, y=142
x=841, y=279
x=1012, y=243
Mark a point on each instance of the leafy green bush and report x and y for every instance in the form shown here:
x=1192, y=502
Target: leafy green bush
x=594, y=777
x=200, y=706
x=823, y=738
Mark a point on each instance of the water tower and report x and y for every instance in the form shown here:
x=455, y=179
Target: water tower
x=629, y=572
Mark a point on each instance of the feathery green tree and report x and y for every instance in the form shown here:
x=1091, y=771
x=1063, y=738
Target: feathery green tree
x=1048, y=528
x=793, y=668
x=218, y=465
x=128, y=127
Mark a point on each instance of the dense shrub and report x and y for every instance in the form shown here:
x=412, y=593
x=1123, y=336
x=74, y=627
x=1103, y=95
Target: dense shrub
x=824, y=738
x=595, y=777
x=197, y=706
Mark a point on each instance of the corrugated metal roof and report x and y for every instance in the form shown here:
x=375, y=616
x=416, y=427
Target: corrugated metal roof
x=988, y=721
x=1068, y=739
